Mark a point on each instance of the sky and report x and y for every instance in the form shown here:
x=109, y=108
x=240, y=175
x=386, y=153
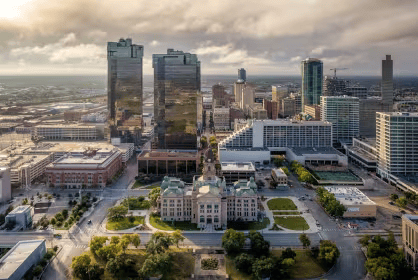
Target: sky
x=267, y=37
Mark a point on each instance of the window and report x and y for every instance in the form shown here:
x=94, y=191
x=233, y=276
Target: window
x=202, y=206
x=202, y=219
x=216, y=219
x=216, y=206
x=209, y=206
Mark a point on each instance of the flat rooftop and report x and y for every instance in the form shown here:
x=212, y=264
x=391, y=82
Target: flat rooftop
x=350, y=196
x=17, y=161
x=254, y=149
x=168, y=154
x=316, y=150
x=16, y=256
x=70, y=125
x=20, y=209
x=279, y=172
x=234, y=166
x=412, y=218
x=363, y=154
x=337, y=176
x=290, y=122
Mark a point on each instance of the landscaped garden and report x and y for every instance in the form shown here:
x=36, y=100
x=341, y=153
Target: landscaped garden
x=156, y=222
x=286, y=213
x=248, y=225
x=136, y=203
x=281, y=204
x=291, y=222
x=209, y=264
x=125, y=223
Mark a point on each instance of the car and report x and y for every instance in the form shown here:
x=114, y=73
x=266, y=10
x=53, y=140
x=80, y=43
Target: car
x=21, y=194
x=403, y=212
x=89, y=222
x=396, y=216
x=391, y=203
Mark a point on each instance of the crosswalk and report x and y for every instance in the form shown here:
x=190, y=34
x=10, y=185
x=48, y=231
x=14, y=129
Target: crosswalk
x=75, y=246
x=333, y=229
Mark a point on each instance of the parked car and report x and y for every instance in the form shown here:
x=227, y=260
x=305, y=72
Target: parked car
x=396, y=216
x=391, y=203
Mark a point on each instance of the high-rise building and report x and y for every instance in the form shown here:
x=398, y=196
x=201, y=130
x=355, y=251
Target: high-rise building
x=410, y=239
x=279, y=92
x=367, y=115
x=314, y=111
x=343, y=113
x=312, y=71
x=357, y=91
x=242, y=74
x=247, y=97
x=333, y=86
x=176, y=89
x=396, y=144
x=238, y=87
x=387, y=81
x=124, y=88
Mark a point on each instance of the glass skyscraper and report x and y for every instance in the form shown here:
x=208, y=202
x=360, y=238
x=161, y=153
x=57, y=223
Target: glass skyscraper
x=312, y=73
x=124, y=87
x=176, y=89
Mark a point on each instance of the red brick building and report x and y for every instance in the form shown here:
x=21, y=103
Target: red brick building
x=92, y=168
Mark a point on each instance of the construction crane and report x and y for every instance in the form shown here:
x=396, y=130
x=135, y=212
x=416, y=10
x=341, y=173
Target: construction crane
x=335, y=71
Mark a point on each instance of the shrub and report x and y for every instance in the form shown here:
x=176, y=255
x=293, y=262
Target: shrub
x=209, y=264
x=43, y=262
x=66, y=224
x=37, y=270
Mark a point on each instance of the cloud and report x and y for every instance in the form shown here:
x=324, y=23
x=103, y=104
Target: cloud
x=154, y=43
x=296, y=59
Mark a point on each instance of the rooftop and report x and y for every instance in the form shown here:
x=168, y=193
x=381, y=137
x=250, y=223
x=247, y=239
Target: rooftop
x=279, y=172
x=234, y=166
x=168, y=154
x=350, y=195
x=65, y=125
x=316, y=150
x=97, y=158
x=16, y=256
x=20, y=209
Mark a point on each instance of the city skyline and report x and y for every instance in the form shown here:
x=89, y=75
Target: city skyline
x=68, y=38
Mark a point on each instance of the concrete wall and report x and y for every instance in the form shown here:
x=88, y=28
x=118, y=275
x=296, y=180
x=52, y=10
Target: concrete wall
x=360, y=211
x=243, y=156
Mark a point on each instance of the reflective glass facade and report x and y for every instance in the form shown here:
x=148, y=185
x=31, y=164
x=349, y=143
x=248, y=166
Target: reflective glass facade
x=125, y=90
x=312, y=71
x=176, y=89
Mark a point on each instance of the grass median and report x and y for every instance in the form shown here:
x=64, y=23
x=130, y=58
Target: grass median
x=281, y=204
x=125, y=223
x=291, y=222
x=157, y=223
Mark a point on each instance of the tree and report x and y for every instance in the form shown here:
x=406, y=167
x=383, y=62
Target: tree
x=159, y=243
x=328, y=252
x=263, y=267
x=364, y=241
x=117, y=213
x=136, y=240
x=154, y=195
x=286, y=171
x=401, y=202
x=233, y=241
x=114, y=240
x=96, y=243
x=305, y=176
x=114, y=265
x=155, y=265
x=177, y=236
x=394, y=196
x=37, y=270
x=95, y=271
x=123, y=244
x=288, y=254
x=108, y=252
x=304, y=239
x=259, y=246
x=244, y=262
x=80, y=266
x=289, y=262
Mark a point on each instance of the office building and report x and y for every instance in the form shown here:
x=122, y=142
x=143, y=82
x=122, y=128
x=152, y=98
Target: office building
x=234, y=171
x=357, y=204
x=256, y=111
x=5, y=185
x=312, y=77
x=22, y=257
x=387, y=82
x=220, y=97
x=242, y=74
x=124, y=87
x=164, y=162
x=221, y=119
x=279, y=92
x=91, y=168
x=238, y=88
x=410, y=239
x=68, y=132
x=397, y=147
x=279, y=177
x=21, y=216
x=208, y=202
x=367, y=115
x=343, y=113
x=314, y=111
x=272, y=109
x=357, y=91
x=247, y=97
x=176, y=89
x=363, y=153
x=334, y=86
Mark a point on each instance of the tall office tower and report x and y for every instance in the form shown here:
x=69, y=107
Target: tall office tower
x=387, y=81
x=124, y=90
x=220, y=97
x=368, y=109
x=397, y=145
x=238, y=87
x=242, y=74
x=279, y=92
x=312, y=70
x=176, y=89
x=247, y=97
x=343, y=113
x=333, y=86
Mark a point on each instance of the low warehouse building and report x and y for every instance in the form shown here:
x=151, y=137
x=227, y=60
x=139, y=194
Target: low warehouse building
x=233, y=171
x=358, y=205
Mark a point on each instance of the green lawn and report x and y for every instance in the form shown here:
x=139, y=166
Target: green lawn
x=249, y=225
x=152, y=187
x=233, y=273
x=305, y=265
x=294, y=223
x=281, y=204
x=286, y=213
x=125, y=223
x=137, y=184
x=156, y=222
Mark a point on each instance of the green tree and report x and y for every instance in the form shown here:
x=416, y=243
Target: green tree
x=80, y=266
x=328, y=252
x=117, y=213
x=114, y=265
x=364, y=241
x=286, y=171
x=37, y=270
x=305, y=176
x=259, y=246
x=108, y=252
x=177, y=236
x=96, y=243
x=401, y=202
x=123, y=244
x=153, y=196
x=288, y=254
x=263, y=267
x=136, y=240
x=394, y=196
x=381, y=268
x=159, y=243
x=244, y=262
x=233, y=241
x=289, y=262
x=156, y=264
x=114, y=240
x=304, y=239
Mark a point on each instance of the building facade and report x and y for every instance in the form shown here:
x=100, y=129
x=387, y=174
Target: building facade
x=343, y=113
x=312, y=77
x=221, y=119
x=242, y=74
x=410, y=239
x=279, y=177
x=163, y=162
x=363, y=153
x=176, y=90
x=69, y=132
x=233, y=171
x=314, y=111
x=21, y=216
x=91, y=168
x=5, y=185
x=387, y=81
x=334, y=86
x=124, y=89
x=208, y=202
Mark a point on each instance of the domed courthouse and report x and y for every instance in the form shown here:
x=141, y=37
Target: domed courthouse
x=208, y=202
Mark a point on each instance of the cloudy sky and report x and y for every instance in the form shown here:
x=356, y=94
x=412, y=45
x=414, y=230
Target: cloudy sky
x=68, y=37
